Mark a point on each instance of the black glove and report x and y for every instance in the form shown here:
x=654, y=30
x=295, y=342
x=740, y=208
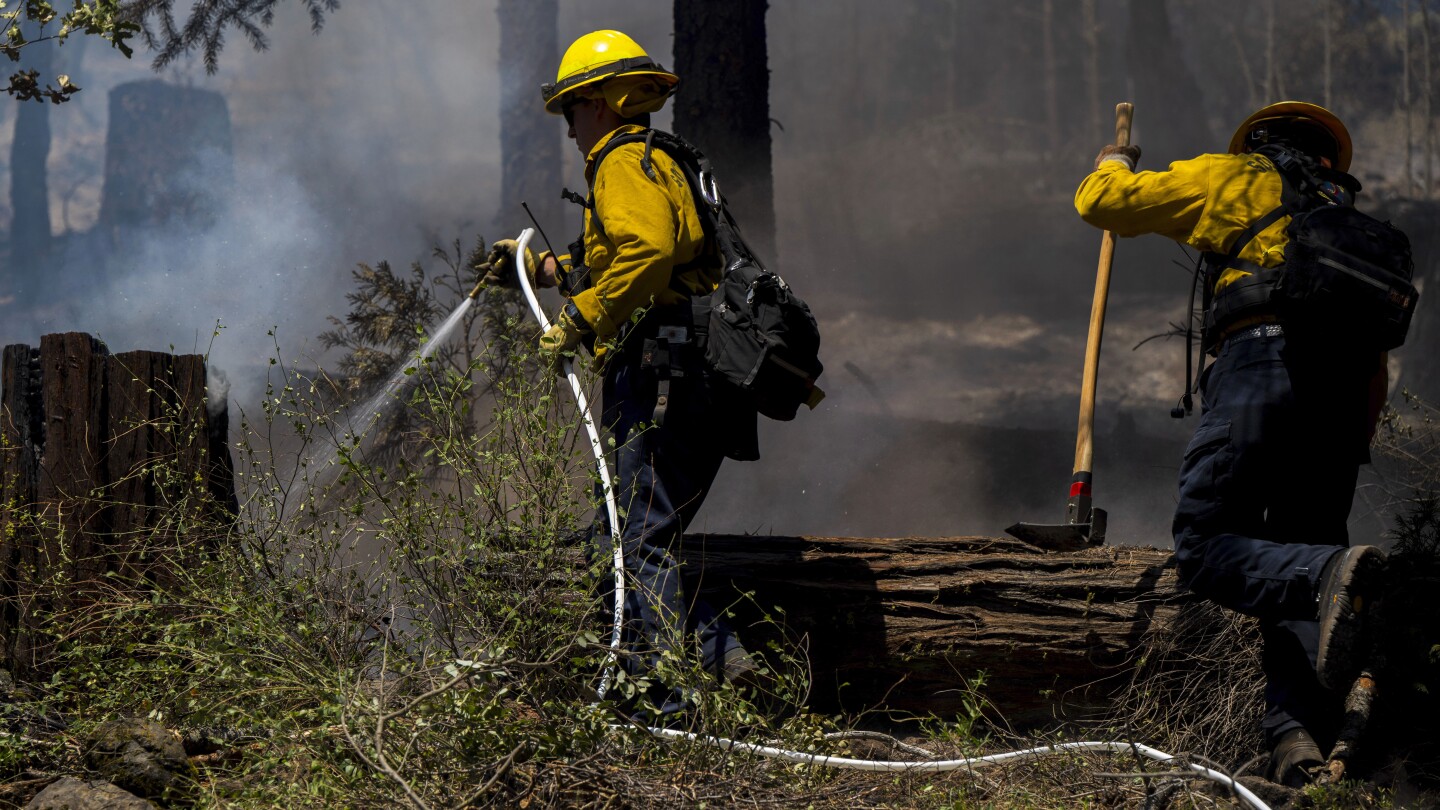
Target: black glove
x=1129, y=155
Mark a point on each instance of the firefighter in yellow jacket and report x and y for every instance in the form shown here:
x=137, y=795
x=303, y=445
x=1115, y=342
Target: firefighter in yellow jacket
x=629, y=280
x=1289, y=408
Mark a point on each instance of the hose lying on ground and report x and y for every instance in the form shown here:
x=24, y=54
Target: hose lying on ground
x=943, y=765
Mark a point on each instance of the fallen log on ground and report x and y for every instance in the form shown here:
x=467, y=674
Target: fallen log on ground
x=906, y=623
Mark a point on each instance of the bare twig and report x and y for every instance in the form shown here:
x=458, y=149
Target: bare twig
x=912, y=750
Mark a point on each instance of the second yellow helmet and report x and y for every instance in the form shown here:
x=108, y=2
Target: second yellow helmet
x=1290, y=113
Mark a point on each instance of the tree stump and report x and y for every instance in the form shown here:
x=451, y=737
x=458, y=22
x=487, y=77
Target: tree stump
x=906, y=623
x=168, y=157
x=105, y=460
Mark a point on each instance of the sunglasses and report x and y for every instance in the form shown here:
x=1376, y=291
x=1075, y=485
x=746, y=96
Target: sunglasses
x=568, y=109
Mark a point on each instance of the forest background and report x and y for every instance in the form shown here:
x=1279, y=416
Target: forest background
x=925, y=154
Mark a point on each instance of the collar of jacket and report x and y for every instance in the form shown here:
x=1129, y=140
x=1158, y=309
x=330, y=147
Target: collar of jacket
x=600, y=145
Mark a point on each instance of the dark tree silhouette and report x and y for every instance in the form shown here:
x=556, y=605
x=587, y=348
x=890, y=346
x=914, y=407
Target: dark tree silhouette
x=1160, y=75
x=530, y=138
x=29, y=187
x=723, y=105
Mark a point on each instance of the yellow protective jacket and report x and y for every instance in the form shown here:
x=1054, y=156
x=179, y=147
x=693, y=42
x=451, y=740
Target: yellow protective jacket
x=650, y=227
x=1204, y=203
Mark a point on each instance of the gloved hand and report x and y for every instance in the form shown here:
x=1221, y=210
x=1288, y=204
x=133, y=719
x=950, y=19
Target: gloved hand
x=563, y=336
x=1129, y=155
x=499, y=265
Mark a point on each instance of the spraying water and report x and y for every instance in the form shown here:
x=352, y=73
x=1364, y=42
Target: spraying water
x=356, y=422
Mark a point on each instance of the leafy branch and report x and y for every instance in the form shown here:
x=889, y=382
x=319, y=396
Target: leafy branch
x=204, y=28
x=103, y=18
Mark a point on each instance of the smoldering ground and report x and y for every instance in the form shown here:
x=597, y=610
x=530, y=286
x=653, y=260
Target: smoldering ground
x=924, y=156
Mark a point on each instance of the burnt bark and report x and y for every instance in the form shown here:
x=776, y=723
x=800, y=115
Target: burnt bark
x=906, y=623
x=22, y=437
x=723, y=106
x=530, y=138
x=97, y=451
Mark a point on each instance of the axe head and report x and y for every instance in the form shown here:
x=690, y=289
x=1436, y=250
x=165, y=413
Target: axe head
x=1063, y=536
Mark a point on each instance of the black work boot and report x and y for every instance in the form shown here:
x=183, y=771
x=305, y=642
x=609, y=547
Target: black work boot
x=1348, y=584
x=1295, y=760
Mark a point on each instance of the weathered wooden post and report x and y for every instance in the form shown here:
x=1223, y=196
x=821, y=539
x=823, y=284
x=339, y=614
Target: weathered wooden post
x=105, y=461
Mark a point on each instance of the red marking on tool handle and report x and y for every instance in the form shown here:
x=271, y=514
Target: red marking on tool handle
x=1080, y=488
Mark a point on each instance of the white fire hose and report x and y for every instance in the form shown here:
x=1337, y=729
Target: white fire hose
x=944, y=765
x=522, y=244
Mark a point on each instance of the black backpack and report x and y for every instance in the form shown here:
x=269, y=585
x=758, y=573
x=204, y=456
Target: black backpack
x=755, y=333
x=1343, y=269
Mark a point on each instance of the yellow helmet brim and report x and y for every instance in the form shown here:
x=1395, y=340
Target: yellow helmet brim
x=556, y=95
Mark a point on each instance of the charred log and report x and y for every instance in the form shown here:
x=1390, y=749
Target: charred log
x=907, y=623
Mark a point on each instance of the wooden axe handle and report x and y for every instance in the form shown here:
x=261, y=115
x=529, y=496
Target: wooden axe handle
x=1085, y=439
x=1124, y=113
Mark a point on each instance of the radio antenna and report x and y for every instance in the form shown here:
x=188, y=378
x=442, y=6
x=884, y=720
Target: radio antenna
x=540, y=230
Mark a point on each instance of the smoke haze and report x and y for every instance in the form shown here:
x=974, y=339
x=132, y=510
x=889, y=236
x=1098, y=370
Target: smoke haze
x=925, y=156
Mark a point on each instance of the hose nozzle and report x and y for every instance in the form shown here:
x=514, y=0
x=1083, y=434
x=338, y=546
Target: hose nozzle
x=475, y=293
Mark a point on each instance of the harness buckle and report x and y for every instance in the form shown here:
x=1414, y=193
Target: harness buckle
x=709, y=189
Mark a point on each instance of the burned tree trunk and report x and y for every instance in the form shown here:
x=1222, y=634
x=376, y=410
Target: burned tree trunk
x=29, y=187
x=723, y=106
x=907, y=623
x=530, y=138
x=168, y=157
x=107, y=463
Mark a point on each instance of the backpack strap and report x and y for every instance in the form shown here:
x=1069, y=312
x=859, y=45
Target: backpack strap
x=645, y=158
x=1290, y=165
x=683, y=153
x=1232, y=258
x=611, y=146
x=1248, y=296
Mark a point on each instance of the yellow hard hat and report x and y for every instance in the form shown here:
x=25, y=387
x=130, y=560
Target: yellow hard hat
x=1290, y=113
x=602, y=55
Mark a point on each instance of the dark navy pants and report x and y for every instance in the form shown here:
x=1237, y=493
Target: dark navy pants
x=1265, y=493
x=663, y=473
